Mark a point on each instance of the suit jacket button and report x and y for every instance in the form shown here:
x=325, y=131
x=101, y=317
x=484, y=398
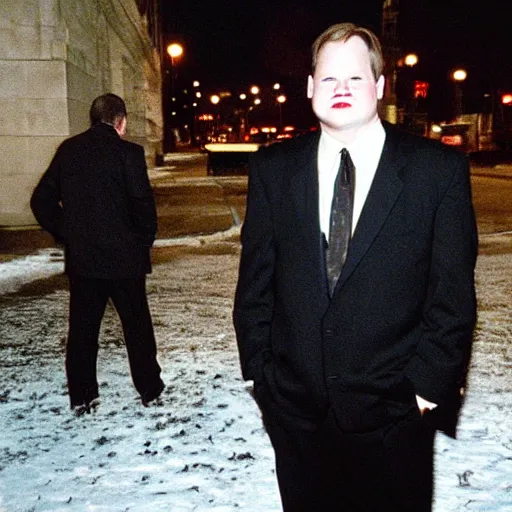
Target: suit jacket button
x=329, y=333
x=332, y=377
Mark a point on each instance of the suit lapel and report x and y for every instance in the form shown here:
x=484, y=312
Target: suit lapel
x=384, y=192
x=304, y=189
x=304, y=192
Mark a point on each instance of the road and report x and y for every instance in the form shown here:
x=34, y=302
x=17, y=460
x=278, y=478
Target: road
x=189, y=201
x=492, y=199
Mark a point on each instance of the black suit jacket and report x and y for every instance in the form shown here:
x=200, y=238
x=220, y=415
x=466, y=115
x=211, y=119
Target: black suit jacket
x=401, y=319
x=96, y=199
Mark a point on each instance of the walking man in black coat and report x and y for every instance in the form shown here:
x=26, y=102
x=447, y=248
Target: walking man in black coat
x=95, y=198
x=355, y=303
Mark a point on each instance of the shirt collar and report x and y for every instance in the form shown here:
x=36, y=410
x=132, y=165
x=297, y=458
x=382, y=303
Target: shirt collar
x=372, y=137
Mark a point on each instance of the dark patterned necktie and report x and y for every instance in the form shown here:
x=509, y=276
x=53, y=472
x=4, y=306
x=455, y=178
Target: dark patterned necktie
x=340, y=229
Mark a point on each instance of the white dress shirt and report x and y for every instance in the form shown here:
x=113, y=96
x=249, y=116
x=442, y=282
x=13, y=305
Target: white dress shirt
x=365, y=152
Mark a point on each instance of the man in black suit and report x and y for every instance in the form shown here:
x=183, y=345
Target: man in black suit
x=355, y=369
x=96, y=199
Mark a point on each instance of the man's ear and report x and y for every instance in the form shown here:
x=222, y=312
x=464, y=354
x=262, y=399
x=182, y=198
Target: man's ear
x=120, y=126
x=311, y=87
x=380, y=87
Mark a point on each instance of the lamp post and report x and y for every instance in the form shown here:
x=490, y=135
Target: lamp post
x=410, y=60
x=174, y=50
x=215, y=100
x=280, y=100
x=458, y=77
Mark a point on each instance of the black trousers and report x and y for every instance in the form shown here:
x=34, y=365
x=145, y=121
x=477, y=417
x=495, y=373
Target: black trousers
x=386, y=470
x=88, y=299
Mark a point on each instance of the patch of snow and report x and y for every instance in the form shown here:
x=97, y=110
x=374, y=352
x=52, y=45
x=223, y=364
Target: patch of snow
x=204, y=448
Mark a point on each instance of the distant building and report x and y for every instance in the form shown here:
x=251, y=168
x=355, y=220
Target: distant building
x=56, y=56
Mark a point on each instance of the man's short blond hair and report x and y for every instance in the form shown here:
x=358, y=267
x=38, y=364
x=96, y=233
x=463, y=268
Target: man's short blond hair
x=343, y=32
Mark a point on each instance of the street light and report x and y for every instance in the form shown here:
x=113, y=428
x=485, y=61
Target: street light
x=215, y=100
x=280, y=100
x=405, y=94
x=399, y=86
x=411, y=60
x=458, y=76
x=255, y=89
x=174, y=50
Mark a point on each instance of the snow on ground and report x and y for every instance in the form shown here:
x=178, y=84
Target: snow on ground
x=204, y=449
x=45, y=263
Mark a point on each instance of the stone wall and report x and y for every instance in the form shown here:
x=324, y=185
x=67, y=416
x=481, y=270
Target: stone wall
x=56, y=56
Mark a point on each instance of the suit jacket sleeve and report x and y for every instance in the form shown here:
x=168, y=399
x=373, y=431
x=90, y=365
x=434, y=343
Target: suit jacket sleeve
x=254, y=298
x=439, y=366
x=140, y=196
x=45, y=201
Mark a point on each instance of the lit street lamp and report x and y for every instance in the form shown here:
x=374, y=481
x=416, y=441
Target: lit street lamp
x=411, y=60
x=458, y=76
x=174, y=51
x=405, y=94
x=280, y=100
x=215, y=100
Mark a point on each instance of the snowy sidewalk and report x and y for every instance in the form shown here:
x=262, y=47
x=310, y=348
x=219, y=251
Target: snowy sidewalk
x=204, y=449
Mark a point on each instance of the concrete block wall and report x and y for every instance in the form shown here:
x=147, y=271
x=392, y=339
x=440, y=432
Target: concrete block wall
x=56, y=56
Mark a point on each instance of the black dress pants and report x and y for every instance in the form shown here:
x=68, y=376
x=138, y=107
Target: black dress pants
x=386, y=470
x=88, y=299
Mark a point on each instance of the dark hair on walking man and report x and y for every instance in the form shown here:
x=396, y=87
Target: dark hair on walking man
x=108, y=108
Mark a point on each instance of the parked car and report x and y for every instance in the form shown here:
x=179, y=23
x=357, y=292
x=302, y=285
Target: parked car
x=456, y=134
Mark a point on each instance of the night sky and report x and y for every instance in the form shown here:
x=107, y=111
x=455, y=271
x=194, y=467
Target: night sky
x=234, y=43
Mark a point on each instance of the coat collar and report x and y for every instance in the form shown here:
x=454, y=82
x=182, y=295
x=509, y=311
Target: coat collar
x=104, y=129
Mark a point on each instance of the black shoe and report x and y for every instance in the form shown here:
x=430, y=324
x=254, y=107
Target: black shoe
x=81, y=409
x=153, y=399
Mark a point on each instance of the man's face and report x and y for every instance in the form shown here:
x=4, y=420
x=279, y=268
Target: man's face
x=343, y=90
